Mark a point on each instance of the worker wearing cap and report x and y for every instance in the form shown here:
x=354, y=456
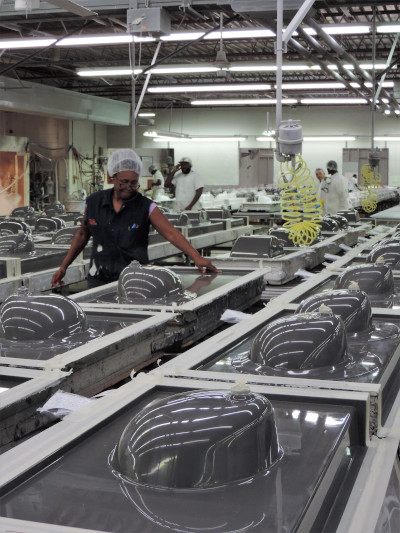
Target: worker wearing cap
x=334, y=190
x=158, y=183
x=188, y=185
x=119, y=219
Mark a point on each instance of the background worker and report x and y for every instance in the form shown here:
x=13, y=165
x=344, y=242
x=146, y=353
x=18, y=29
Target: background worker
x=188, y=185
x=158, y=182
x=119, y=219
x=334, y=190
x=319, y=174
x=353, y=183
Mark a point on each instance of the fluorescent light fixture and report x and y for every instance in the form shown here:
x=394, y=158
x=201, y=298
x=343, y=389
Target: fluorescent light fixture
x=243, y=101
x=365, y=66
x=182, y=36
x=203, y=88
x=103, y=72
x=200, y=139
x=260, y=67
x=169, y=134
x=369, y=66
x=145, y=114
x=333, y=101
x=397, y=111
x=313, y=85
x=95, y=39
x=258, y=33
x=184, y=70
x=388, y=28
x=341, y=29
x=332, y=138
x=26, y=43
x=265, y=138
x=387, y=111
x=387, y=138
x=387, y=84
x=346, y=29
x=169, y=139
x=217, y=139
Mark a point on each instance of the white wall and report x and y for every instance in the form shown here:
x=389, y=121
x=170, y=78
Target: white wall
x=219, y=162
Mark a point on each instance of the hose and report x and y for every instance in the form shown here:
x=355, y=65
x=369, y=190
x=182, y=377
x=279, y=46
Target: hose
x=369, y=188
x=300, y=202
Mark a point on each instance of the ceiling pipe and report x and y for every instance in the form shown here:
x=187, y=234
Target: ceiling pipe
x=330, y=41
x=324, y=66
x=349, y=58
x=327, y=55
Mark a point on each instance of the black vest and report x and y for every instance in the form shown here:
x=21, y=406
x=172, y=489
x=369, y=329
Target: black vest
x=118, y=238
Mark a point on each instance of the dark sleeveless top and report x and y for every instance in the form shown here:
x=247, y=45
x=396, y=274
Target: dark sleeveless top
x=118, y=238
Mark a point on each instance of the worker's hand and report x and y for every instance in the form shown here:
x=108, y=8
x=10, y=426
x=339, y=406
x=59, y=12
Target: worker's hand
x=201, y=282
x=56, y=280
x=204, y=264
x=177, y=167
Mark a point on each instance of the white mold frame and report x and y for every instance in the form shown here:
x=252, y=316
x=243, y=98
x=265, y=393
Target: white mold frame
x=192, y=319
x=19, y=462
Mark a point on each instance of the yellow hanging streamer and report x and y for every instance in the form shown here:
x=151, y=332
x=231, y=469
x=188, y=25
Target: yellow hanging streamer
x=300, y=202
x=369, y=188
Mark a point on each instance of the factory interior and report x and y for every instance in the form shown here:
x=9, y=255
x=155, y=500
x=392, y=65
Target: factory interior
x=173, y=374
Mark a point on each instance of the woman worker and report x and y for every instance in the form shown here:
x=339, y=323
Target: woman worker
x=118, y=219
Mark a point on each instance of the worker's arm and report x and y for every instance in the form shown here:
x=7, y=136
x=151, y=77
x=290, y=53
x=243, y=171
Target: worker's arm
x=175, y=237
x=78, y=243
x=170, y=177
x=196, y=197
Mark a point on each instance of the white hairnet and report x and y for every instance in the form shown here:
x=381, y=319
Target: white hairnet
x=124, y=159
x=331, y=165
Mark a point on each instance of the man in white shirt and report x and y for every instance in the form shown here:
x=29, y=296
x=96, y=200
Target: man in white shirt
x=353, y=184
x=188, y=185
x=334, y=190
x=158, y=182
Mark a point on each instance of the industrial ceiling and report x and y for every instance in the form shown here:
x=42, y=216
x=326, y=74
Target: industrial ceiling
x=337, y=43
